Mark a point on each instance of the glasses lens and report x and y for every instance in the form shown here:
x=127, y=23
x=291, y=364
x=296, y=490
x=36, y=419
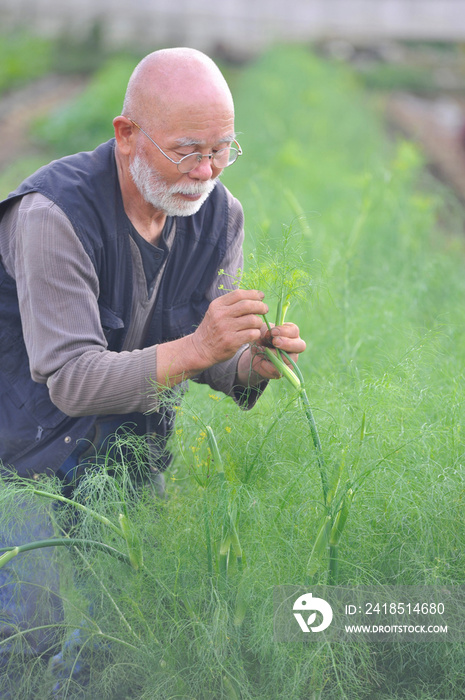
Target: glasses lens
x=188, y=163
x=224, y=157
x=221, y=159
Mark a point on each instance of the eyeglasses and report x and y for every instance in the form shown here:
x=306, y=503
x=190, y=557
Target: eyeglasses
x=220, y=159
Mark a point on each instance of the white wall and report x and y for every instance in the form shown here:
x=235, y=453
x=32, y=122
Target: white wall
x=242, y=25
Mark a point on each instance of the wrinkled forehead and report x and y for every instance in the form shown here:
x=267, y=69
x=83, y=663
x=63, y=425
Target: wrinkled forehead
x=195, y=103
x=196, y=122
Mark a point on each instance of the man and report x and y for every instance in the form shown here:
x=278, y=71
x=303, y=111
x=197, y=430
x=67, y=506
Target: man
x=109, y=287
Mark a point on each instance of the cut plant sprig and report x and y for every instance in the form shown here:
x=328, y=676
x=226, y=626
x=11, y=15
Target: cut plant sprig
x=276, y=357
x=294, y=377
x=283, y=369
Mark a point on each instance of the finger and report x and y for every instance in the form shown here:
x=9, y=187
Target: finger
x=240, y=323
x=241, y=295
x=288, y=330
x=264, y=367
x=286, y=337
x=289, y=345
x=239, y=304
x=245, y=307
x=266, y=339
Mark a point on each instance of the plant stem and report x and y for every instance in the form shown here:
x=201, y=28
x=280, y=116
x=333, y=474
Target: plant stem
x=333, y=564
x=319, y=546
x=283, y=368
x=11, y=552
x=266, y=321
x=217, y=458
x=235, y=544
x=281, y=311
x=311, y=422
x=316, y=443
x=132, y=542
x=225, y=547
x=101, y=518
x=207, y=537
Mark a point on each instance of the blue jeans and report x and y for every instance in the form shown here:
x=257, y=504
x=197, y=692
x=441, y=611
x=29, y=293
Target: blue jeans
x=27, y=609
x=71, y=667
x=31, y=612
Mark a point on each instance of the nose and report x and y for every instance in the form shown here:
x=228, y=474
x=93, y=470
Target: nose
x=203, y=170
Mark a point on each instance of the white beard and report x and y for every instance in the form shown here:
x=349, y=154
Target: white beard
x=154, y=190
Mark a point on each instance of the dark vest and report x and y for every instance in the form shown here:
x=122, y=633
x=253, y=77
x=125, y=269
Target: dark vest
x=35, y=436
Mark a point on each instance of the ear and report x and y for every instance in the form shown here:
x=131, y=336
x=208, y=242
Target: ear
x=124, y=134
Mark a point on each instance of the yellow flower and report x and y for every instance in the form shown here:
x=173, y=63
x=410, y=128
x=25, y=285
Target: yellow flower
x=228, y=429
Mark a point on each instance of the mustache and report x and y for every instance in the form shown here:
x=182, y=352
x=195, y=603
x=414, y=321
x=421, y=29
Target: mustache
x=196, y=188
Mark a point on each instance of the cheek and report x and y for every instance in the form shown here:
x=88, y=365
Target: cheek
x=170, y=175
x=159, y=169
x=169, y=180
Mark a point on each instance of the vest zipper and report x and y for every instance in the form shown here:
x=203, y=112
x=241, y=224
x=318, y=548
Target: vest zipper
x=40, y=430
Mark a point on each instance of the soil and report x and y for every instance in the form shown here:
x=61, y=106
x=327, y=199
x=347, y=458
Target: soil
x=437, y=124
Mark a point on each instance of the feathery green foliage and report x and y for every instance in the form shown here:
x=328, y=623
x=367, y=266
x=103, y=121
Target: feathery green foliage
x=384, y=374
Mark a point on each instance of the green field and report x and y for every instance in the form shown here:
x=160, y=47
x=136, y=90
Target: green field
x=383, y=317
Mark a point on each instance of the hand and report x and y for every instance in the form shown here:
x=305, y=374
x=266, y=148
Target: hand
x=231, y=321
x=285, y=337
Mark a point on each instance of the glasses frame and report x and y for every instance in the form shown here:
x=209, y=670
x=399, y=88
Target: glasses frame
x=177, y=163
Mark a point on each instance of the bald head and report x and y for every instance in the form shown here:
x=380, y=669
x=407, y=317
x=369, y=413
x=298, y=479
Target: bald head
x=170, y=81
